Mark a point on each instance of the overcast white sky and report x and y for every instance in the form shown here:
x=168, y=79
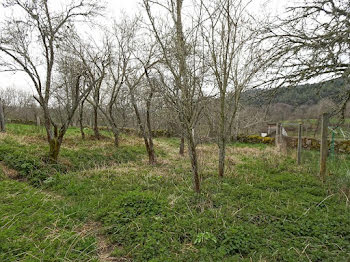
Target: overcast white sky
x=113, y=10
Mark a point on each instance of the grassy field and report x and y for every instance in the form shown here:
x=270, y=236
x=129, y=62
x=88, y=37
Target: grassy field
x=101, y=203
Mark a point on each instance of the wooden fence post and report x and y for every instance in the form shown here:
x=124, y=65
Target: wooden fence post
x=277, y=139
x=283, y=141
x=324, y=146
x=299, y=144
x=2, y=118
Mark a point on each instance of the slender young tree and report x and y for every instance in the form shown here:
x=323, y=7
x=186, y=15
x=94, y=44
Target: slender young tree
x=140, y=84
x=235, y=60
x=181, y=61
x=120, y=48
x=97, y=60
x=81, y=118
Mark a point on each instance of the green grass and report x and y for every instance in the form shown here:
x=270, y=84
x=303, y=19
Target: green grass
x=243, y=145
x=36, y=227
x=338, y=166
x=265, y=209
x=30, y=159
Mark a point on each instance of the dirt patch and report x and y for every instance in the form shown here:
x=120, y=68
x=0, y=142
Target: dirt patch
x=11, y=173
x=29, y=140
x=3, y=135
x=104, y=248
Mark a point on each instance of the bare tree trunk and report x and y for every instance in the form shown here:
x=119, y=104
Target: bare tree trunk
x=194, y=160
x=55, y=146
x=182, y=138
x=95, y=127
x=55, y=136
x=184, y=103
x=81, y=116
x=182, y=145
x=54, y=139
x=2, y=118
x=152, y=156
x=149, y=149
x=211, y=127
x=222, y=134
x=324, y=146
x=112, y=122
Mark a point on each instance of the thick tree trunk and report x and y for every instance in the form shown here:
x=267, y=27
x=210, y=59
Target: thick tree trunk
x=55, y=146
x=95, y=127
x=2, y=118
x=150, y=153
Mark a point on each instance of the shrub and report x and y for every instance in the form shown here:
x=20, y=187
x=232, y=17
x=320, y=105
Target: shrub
x=255, y=139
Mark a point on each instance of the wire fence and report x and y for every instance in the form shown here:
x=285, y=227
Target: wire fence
x=308, y=151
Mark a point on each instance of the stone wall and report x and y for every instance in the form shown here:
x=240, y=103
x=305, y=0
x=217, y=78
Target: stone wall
x=340, y=146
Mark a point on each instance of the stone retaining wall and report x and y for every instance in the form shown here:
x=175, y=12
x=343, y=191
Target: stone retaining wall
x=340, y=146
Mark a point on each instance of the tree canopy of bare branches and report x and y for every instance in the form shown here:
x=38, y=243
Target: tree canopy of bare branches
x=30, y=42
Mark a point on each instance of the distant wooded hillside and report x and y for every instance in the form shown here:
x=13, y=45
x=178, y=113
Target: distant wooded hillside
x=309, y=94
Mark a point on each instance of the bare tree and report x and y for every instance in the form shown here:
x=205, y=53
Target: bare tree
x=81, y=118
x=30, y=41
x=235, y=60
x=137, y=80
x=181, y=61
x=312, y=42
x=19, y=105
x=123, y=36
x=96, y=59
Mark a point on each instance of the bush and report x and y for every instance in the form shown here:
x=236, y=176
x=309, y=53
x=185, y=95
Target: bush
x=255, y=139
x=161, y=133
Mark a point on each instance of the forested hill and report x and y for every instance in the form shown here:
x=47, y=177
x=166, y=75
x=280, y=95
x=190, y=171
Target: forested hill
x=308, y=94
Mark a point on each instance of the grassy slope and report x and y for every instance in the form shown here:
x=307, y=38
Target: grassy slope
x=265, y=209
x=36, y=227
